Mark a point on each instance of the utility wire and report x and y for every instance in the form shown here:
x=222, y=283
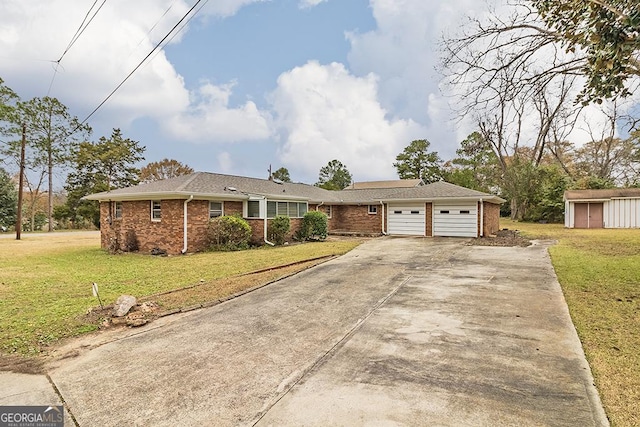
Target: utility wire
x=147, y=36
x=183, y=25
x=156, y=47
x=83, y=26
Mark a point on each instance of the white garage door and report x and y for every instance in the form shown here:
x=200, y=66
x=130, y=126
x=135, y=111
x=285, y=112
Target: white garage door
x=407, y=219
x=455, y=220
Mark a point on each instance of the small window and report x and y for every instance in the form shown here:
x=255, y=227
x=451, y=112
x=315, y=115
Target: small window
x=373, y=209
x=156, y=212
x=117, y=210
x=215, y=209
x=253, y=209
x=464, y=212
x=415, y=212
x=397, y=212
x=444, y=212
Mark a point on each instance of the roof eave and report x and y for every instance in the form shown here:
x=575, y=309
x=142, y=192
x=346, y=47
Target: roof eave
x=162, y=195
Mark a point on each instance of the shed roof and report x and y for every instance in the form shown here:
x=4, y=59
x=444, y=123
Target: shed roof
x=609, y=193
x=205, y=185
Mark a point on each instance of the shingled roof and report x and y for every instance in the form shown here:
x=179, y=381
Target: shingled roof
x=610, y=193
x=205, y=185
x=396, y=183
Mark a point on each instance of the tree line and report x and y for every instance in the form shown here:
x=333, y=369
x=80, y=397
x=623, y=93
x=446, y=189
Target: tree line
x=56, y=142
x=523, y=78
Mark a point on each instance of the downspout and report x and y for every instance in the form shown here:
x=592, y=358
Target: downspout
x=481, y=218
x=265, y=233
x=384, y=233
x=265, y=227
x=317, y=206
x=184, y=233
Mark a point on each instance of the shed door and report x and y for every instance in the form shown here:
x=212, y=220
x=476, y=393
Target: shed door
x=453, y=220
x=588, y=215
x=406, y=219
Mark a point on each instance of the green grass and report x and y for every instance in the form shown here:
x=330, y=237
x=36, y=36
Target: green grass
x=45, y=282
x=599, y=271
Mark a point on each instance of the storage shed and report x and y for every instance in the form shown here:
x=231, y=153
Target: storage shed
x=609, y=208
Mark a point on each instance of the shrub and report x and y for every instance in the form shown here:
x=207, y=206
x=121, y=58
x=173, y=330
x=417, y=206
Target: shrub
x=314, y=226
x=131, y=243
x=278, y=229
x=228, y=233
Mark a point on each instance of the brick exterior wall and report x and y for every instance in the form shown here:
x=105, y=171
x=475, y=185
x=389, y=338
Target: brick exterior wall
x=352, y=218
x=356, y=219
x=491, y=218
x=166, y=234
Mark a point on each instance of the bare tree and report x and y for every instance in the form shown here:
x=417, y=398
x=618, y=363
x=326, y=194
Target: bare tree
x=515, y=82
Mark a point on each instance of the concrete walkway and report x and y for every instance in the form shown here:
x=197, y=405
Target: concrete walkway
x=400, y=331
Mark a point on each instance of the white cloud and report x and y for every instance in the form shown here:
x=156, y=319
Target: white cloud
x=36, y=33
x=324, y=113
x=226, y=8
x=209, y=118
x=305, y=4
x=225, y=164
x=402, y=51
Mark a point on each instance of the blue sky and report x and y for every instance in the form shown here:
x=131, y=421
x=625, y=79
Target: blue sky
x=249, y=83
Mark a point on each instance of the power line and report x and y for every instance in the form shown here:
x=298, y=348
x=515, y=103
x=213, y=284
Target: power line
x=83, y=26
x=156, y=47
x=184, y=25
x=147, y=36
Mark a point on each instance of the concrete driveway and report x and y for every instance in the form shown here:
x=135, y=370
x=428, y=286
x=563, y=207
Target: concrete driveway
x=400, y=331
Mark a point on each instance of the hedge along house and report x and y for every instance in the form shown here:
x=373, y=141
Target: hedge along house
x=609, y=208
x=173, y=214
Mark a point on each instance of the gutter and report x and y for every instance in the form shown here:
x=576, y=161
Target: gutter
x=184, y=233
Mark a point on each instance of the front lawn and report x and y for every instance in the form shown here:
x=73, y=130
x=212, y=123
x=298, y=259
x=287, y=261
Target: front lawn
x=599, y=271
x=45, y=281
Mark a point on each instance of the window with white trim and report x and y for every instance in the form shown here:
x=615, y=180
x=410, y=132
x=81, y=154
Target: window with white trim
x=117, y=210
x=373, y=209
x=215, y=209
x=156, y=210
x=290, y=209
x=253, y=209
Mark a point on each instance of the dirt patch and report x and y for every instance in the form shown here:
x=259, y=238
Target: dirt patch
x=503, y=237
x=21, y=365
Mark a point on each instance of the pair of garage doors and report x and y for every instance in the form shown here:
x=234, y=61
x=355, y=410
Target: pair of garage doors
x=449, y=220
